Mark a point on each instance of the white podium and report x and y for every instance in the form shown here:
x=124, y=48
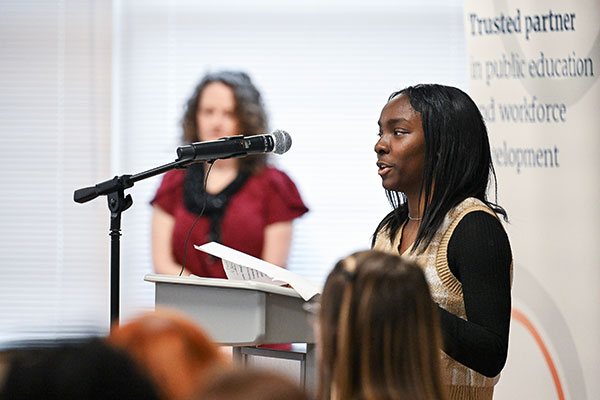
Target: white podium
x=243, y=314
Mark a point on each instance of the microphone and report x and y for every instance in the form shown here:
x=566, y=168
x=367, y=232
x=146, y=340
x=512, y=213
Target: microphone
x=277, y=142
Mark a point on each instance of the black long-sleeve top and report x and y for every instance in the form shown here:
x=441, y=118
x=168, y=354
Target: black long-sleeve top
x=480, y=257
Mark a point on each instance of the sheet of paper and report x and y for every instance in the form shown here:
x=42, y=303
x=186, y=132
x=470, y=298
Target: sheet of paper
x=239, y=272
x=241, y=266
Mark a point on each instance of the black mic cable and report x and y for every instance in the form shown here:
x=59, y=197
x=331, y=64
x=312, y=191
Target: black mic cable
x=197, y=219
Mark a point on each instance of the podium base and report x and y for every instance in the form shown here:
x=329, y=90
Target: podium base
x=306, y=358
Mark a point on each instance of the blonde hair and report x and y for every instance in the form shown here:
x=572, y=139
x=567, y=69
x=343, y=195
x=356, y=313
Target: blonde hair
x=380, y=332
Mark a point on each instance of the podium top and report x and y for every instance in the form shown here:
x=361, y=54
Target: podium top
x=224, y=283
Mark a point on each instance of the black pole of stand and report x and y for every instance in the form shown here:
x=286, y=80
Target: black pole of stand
x=117, y=203
x=114, y=189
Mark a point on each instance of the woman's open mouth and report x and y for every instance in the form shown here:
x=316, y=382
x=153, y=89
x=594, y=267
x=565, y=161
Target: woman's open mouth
x=383, y=168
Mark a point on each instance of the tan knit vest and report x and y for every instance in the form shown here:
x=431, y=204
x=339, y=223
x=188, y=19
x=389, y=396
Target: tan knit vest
x=446, y=290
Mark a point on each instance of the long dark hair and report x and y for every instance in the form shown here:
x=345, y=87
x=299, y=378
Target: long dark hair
x=249, y=111
x=458, y=161
x=379, y=331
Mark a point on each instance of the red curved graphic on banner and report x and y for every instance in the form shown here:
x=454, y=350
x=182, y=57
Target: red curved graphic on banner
x=520, y=317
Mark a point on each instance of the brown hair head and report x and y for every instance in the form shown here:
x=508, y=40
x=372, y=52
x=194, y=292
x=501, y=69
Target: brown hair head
x=251, y=384
x=379, y=331
x=176, y=353
x=249, y=111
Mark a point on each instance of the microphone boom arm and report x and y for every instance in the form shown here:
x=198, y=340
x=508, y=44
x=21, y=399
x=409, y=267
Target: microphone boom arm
x=122, y=182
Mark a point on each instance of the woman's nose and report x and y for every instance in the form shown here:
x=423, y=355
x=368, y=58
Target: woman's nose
x=217, y=120
x=381, y=146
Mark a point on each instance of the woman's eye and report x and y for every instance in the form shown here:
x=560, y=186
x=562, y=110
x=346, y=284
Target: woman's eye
x=396, y=132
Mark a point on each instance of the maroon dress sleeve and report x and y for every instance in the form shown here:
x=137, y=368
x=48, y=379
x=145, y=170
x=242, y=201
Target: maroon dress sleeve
x=285, y=203
x=170, y=189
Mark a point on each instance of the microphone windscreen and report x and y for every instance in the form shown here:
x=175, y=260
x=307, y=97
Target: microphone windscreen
x=283, y=141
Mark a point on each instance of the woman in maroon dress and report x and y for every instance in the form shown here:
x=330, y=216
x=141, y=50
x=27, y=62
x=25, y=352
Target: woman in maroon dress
x=244, y=204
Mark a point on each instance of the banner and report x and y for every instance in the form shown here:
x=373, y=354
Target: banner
x=533, y=70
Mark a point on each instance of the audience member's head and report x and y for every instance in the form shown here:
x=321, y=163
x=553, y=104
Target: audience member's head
x=176, y=353
x=90, y=370
x=251, y=384
x=379, y=331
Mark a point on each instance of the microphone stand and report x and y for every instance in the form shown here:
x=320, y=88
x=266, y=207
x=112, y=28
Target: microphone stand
x=114, y=189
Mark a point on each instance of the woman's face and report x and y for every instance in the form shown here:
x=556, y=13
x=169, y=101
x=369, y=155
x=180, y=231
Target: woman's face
x=215, y=116
x=401, y=146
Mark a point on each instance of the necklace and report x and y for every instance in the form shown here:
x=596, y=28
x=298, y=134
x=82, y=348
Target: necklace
x=414, y=219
